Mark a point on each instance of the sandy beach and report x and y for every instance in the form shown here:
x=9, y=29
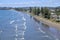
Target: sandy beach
x=48, y=22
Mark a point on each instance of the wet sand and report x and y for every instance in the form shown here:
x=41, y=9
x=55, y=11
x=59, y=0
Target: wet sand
x=48, y=22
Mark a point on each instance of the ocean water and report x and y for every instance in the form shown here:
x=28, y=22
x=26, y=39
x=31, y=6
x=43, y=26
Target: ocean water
x=20, y=26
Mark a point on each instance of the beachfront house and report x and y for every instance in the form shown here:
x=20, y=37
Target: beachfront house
x=58, y=18
x=55, y=17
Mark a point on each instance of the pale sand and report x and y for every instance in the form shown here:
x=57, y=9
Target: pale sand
x=48, y=22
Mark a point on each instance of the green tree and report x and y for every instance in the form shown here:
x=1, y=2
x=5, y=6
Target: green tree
x=42, y=10
x=57, y=11
x=34, y=10
x=46, y=13
x=30, y=9
x=38, y=11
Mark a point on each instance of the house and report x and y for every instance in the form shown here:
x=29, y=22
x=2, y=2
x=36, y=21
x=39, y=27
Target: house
x=53, y=16
x=58, y=18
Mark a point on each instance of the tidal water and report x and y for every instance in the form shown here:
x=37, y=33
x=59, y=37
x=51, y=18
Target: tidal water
x=21, y=26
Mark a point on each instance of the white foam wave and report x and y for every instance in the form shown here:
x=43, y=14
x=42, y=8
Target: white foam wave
x=45, y=36
x=23, y=19
x=22, y=38
x=1, y=31
x=41, y=30
x=24, y=25
x=12, y=21
x=15, y=38
x=16, y=27
x=16, y=35
x=57, y=39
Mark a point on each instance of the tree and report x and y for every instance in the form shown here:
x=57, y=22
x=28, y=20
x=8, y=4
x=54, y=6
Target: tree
x=30, y=9
x=42, y=10
x=45, y=12
x=38, y=11
x=34, y=10
x=57, y=11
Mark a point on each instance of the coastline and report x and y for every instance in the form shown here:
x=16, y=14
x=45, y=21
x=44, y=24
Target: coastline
x=46, y=21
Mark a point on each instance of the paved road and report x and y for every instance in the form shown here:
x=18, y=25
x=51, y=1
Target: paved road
x=20, y=26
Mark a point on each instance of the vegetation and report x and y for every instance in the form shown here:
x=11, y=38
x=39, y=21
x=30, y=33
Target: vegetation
x=42, y=11
x=36, y=10
x=19, y=9
x=45, y=12
x=30, y=9
x=57, y=11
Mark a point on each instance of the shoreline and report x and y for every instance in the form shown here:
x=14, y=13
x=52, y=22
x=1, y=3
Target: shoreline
x=46, y=21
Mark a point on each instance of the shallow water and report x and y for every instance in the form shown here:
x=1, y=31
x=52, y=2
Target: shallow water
x=20, y=26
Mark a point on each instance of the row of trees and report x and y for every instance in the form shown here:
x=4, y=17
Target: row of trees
x=20, y=9
x=57, y=11
x=44, y=11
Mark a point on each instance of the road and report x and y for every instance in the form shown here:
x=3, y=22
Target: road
x=20, y=26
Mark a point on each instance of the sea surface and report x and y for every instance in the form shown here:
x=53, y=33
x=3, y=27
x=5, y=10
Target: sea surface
x=16, y=25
